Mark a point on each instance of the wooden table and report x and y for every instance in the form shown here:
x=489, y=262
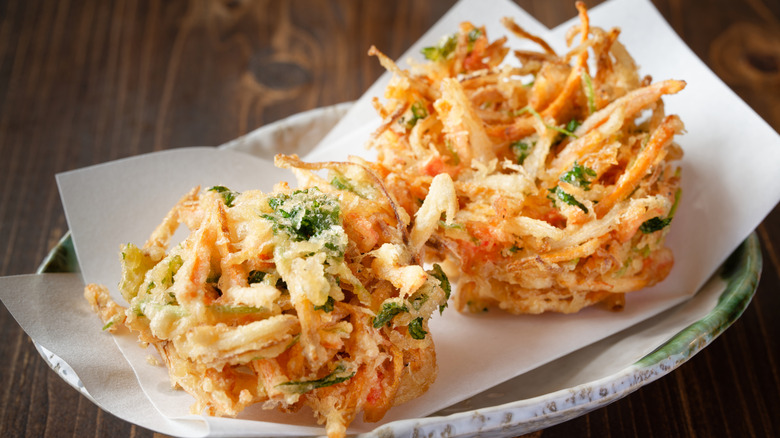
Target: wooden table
x=83, y=82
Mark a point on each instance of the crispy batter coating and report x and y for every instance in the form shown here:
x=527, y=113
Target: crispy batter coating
x=564, y=170
x=298, y=297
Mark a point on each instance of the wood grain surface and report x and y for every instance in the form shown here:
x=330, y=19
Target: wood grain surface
x=83, y=82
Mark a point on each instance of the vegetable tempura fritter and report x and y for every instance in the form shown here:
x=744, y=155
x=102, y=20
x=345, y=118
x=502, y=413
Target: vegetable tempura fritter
x=312, y=296
x=564, y=171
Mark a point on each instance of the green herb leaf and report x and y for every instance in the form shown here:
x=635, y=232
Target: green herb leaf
x=658, y=223
x=327, y=307
x=304, y=213
x=389, y=310
x=578, y=176
x=338, y=375
x=654, y=224
x=416, y=328
x=338, y=250
x=473, y=36
x=442, y=51
x=228, y=196
x=558, y=193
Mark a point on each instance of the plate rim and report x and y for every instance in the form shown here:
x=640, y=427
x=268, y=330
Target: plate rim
x=741, y=271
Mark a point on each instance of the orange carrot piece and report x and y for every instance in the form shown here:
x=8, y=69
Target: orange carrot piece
x=660, y=138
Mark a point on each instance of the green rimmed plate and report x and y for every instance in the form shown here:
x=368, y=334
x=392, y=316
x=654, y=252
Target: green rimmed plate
x=563, y=389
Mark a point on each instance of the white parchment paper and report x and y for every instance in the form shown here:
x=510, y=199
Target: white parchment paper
x=729, y=152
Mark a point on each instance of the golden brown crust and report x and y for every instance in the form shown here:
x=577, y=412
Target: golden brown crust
x=297, y=297
x=565, y=185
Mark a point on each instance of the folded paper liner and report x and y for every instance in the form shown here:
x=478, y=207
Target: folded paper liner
x=729, y=185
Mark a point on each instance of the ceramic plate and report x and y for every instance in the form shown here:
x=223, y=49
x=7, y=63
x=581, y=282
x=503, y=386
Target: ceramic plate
x=587, y=379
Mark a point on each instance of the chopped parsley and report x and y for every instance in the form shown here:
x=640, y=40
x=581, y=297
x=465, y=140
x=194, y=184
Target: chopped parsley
x=556, y=193
x=335, y=248
x=442, y=51
x=389, y=310
x=578, y=176
x=338, y=375
x=304, y=213
x=228, y=196
x=416, y=329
